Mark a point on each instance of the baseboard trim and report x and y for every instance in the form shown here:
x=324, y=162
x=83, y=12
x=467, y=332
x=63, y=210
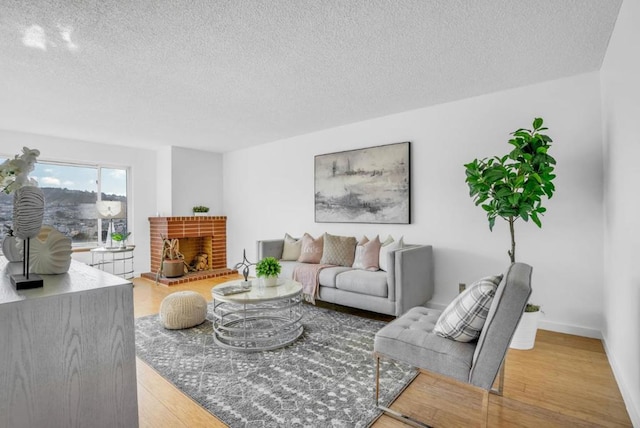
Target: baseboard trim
x=569, y=329
x=632, y=410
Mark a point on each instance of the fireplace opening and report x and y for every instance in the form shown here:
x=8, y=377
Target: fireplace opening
x=202, y=242
x=197, y=253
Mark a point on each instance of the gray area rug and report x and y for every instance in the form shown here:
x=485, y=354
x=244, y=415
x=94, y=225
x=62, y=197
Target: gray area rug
x=324, y=379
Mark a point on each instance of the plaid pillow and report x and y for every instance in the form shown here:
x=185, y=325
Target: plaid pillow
x=464, y=318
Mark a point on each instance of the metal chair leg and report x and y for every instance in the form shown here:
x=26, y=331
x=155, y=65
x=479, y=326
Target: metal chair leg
x=390, y=412
x=415, y=423
x=500, y=388
x=484, y=423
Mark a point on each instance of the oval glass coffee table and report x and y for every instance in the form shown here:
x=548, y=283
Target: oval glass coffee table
x=259, y=319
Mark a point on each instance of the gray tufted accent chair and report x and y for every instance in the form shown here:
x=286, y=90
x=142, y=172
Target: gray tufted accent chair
x=410, y=339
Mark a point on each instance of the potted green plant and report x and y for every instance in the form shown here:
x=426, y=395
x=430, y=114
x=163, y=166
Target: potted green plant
x=200, y=210
x=121, y=237
x=172, y=261
x=268, y=268
x=513, y=186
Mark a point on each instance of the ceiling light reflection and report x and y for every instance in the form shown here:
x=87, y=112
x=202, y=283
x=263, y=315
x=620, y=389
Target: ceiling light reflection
x=34, y=37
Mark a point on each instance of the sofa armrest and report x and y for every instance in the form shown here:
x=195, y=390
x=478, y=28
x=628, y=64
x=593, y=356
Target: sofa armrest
x=270, y=248
x=413, y=277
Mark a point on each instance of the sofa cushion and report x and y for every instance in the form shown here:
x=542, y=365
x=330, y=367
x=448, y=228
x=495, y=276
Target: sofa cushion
x=367, y=254
x=328, y=275
x=292, y=248
x=385, y=249
x=410, y=338
x=363, y=282
x=338, y=250
x=464, y=318
x=311, y=251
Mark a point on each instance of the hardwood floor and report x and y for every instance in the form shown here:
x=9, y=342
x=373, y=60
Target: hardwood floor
x=565, y=381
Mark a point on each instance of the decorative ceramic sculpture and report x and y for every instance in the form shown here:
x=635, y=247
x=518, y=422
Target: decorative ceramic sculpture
x=50, y=252
x=10, y=248
x=245, y=264
x=28, y=211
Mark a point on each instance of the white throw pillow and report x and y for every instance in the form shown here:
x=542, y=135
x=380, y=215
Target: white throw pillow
x=386, y=248
x=464, y=318
x=292, y=248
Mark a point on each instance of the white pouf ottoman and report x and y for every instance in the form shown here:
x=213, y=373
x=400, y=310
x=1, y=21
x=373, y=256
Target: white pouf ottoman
x=183, y=309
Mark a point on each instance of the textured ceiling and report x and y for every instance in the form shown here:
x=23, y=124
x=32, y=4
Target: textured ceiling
x=222, y=75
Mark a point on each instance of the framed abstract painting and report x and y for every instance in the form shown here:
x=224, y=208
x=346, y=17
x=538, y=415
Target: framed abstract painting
x=370, y=185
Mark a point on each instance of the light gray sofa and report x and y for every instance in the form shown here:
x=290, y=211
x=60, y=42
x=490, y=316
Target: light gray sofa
x=407, y=283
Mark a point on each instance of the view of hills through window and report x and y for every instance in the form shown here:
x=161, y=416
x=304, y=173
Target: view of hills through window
x=71, y=193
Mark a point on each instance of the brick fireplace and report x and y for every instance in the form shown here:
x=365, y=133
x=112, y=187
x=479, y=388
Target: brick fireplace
x=196, y=235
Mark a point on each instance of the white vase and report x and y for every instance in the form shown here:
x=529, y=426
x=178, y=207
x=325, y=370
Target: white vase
x=525, y=336
x=270, y=281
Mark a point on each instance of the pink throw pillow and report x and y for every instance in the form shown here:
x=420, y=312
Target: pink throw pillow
x=311, y=251
x=367, y=254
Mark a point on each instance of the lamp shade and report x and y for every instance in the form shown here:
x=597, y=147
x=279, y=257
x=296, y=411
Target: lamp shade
x=110, y=209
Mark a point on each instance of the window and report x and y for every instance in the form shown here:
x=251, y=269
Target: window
x=71, y=192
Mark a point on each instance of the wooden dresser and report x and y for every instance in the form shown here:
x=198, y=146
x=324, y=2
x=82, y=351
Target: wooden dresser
x=67, y=352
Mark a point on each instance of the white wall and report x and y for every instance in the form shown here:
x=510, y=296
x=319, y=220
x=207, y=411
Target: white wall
x=164, y=181
x=142, y=190
x=187, y=178
x=268, y=190
x=196, y=180
x=621, y=113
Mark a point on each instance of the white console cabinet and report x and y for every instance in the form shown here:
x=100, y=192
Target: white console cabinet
x=67, y=352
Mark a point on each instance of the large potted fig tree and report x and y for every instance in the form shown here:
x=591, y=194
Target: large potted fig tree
x=512, y=187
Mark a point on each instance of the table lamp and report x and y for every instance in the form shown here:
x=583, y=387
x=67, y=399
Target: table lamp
x=110, y=210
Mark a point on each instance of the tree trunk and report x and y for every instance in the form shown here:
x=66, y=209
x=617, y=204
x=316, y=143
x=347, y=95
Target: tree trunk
x=512, y=253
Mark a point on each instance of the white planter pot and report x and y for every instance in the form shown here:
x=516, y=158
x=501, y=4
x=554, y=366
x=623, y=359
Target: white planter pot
x=525, y=335
x=270, y=281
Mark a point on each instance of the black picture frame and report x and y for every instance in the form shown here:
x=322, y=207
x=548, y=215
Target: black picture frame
x=369, y=185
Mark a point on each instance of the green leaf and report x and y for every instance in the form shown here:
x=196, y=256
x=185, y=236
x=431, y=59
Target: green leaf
x=537, y=123
x=502, y=192
x=523, y=134
x=536, y=220
x=492, y=222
